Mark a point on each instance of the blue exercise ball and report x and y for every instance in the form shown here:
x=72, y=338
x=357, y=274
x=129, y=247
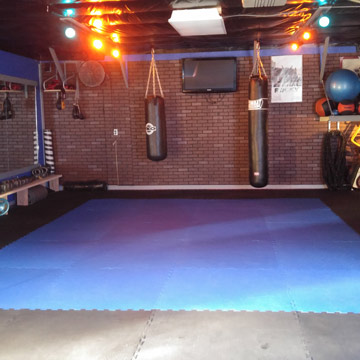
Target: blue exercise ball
x=342, y=85
x=4, y=206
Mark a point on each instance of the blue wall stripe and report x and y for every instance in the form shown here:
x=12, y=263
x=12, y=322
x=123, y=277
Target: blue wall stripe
x=18, y=66
x=304, y=50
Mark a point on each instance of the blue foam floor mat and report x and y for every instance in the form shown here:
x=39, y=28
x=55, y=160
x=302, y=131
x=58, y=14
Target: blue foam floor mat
x=173, y=254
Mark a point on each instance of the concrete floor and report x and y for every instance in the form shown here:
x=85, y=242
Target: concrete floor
x=177, y=335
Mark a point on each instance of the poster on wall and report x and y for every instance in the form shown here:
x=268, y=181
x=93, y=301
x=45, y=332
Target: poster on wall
x=286, y=78
x=351, y=63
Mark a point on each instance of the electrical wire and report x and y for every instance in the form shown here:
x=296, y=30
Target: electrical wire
x=211, y=101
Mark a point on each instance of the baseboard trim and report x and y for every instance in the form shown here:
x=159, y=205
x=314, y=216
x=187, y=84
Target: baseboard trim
x=214, y=187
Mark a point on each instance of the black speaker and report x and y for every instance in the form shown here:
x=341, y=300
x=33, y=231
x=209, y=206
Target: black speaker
x=355, y=178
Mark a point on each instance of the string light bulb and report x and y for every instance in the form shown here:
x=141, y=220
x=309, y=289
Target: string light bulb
x=294, y=46
x=98, y=44
x=306, y=35
x=70, y=32
x=324, y=21
x=69, y=12
x=115, y=53
x=115, y=37
x=98, y=23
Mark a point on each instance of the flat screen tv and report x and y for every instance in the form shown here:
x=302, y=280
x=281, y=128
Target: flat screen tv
x=209, y=75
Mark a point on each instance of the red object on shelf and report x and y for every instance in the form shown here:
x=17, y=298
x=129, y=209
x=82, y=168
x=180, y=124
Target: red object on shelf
x=16, y=87
x=53, y=85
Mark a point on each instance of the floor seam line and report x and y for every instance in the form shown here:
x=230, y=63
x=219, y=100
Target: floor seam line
x=143, y=336
x=295, y=312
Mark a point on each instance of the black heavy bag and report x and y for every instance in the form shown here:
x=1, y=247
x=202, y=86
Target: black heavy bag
x=258, y=112
x=156, y=145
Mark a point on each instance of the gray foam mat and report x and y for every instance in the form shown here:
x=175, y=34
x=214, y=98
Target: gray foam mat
x=175, y=335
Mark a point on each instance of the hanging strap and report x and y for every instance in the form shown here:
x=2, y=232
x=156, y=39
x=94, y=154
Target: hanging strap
x=77, y=90
x=258, y=68
x=153, y=71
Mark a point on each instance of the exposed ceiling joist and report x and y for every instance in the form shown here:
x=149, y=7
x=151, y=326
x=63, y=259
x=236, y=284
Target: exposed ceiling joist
x=30, y=27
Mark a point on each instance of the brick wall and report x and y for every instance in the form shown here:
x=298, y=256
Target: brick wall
x=207, y=133
x=16, y=134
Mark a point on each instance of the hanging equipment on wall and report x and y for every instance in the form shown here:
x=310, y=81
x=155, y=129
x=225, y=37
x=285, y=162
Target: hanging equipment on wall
x=334, y=160
x=76, y=112
x=49, y=152
x=155, y=121
x=355, y=134
x=60, y=102
x=7, y=110
x=258, y=113
x=36, y=147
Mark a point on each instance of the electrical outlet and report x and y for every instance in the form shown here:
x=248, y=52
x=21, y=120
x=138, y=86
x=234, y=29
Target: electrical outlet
x=116, y=132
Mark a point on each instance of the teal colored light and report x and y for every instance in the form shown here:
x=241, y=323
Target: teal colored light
x=324, y=21
x=70, y=33
x=68, y=1
x=69, y=12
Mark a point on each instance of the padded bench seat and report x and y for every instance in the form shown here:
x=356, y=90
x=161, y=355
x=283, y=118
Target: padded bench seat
x=22, y=192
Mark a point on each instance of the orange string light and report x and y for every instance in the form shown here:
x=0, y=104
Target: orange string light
x=294, y=46
x=306, y=35
x=115, y=53
x=98, y=44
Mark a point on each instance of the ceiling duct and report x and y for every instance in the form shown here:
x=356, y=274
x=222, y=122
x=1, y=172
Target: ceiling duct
x=262, y=3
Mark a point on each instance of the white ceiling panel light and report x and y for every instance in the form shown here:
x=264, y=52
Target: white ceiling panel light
x=197, y=22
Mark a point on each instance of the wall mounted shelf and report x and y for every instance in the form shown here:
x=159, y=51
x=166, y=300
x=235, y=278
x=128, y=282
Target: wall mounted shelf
x=57, y=90
x=64, y=83
x=11, y=91
x=23, y=91
x=16, y=80
x=340, y=118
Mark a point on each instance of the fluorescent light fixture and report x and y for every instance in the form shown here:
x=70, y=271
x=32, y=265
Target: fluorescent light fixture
x=262, y=3
x=195, y=22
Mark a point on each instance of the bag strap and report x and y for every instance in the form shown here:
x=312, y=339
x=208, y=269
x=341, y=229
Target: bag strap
x=77, y=90
x=153, y=71
x=258, y=68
